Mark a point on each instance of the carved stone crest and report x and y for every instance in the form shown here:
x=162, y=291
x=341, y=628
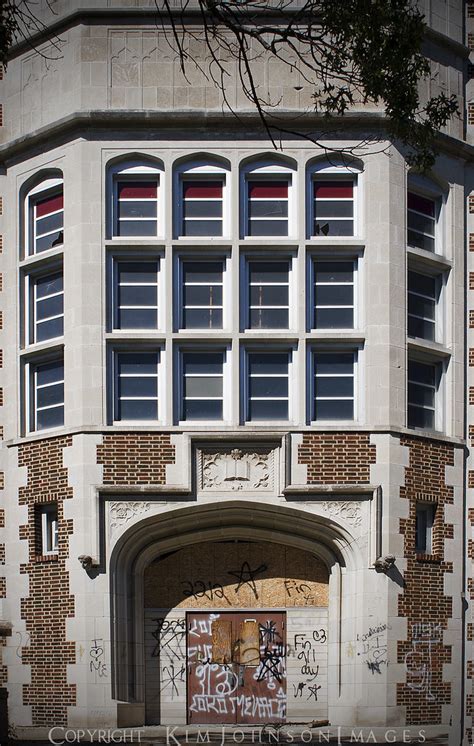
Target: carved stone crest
x=237, y=470
x=122, y=512
x=350, y=512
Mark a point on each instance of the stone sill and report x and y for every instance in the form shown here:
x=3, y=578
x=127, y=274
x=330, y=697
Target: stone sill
x=432, y=559
x=39, y=558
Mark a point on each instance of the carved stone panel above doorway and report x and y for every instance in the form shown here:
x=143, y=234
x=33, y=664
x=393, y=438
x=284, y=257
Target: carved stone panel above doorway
x=238, y=468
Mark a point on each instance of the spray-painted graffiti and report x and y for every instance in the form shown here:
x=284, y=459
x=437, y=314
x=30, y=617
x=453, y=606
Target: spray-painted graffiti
x=97, y=657
x=170, y=638
x=418, y=661
x=372, y=647
x=304, y=591
x=307, y=650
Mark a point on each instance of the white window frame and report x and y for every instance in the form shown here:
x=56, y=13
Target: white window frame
x=49, y=529
x=114, y=259
x=268, y=171
x=41, y=191
x=334, y=170
x=277, y=255
x=178, y=286
x=135, y=170
x=429, y=508
x=357, y=352
x=439, y=320
x=209, y=170
x=31, y=409
x=114, y=352
x=271, y=347
x=356, y=262
x=425, y=187
x=183, y=348
x=30, y=306
x=440, y=394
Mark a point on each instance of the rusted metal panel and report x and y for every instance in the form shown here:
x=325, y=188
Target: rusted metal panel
x=251, y=688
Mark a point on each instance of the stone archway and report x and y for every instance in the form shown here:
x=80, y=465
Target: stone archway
x=236, y=632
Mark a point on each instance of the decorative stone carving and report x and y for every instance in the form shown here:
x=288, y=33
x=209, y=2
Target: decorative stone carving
x=237, y=470
x=350, y=512
x=122, y=512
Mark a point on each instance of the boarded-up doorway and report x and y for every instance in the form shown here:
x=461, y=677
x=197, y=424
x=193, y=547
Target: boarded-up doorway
x=236, y=667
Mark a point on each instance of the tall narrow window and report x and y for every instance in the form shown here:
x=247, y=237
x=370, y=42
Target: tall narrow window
x=422, y=300
x=47, y=524
x=202, y=207
x=202, y=385
x=46, y=307
x=47, y=402
x=422, y=387
x=421, y=221
x=136, y=386
x=424, y=522
x=268, y=394
x=136, y=294
x=333, y=294
x=267, y=206
x=268, y=294
x=333, y=207
x=202, y=288
x=46, y=221
x=136, y=207
x=333, y=386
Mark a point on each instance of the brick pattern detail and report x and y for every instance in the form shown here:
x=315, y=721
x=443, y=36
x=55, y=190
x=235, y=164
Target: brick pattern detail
x=49, y=604
x=471, y=202
x=470, y=631
x=471, y=319
x=135, y=458
x=471, y=242
x=470, y=41
x=470, y=9
x=471, y=357
x=423, y=601
x=470, y=107
x=337, y=458
x=2, y=518
x=470, y=669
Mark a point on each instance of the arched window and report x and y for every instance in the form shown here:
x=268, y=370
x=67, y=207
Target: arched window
x=333, y=204
x=201, y=204
x=268, y=199
x=44, y=216
x=135, y=201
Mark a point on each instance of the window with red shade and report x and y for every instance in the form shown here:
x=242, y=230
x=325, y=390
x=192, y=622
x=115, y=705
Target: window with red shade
x=333, y=207
x=202, y=207
x=46, y=220
x=422, y=215
x=136, y=207
x=267, y=206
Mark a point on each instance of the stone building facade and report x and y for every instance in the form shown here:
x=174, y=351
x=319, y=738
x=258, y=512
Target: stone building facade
x=235, y=475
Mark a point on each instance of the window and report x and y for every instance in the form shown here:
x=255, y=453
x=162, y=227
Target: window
x=423, y=295
x=421, y=221
x=47, y=516
x=424, y=522
x=202, y=381
x=135, y=295
x=136, y=207
x=47, y=395
x=268, y=294
x=333, y=385
x=267, y=205
x=268, y=391
x=136, y=386
x=202, y=207
x=46, y=306
x=422, y=390
x=202, y=294
x=333, y=294
x=333, y=206
x=46, y=216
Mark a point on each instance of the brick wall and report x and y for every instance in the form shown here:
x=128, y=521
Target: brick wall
x=135, y=458
x=423, y=601
x=49, y=603
x=337, y=458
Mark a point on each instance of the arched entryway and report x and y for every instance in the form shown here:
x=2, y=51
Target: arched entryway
x=236, y=632
x=302, y=548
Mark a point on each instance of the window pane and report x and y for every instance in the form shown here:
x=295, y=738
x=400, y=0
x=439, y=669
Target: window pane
x=137, y=190
x=423, y=284
x=49, y=329
x=202, y=228
x=334, y=295
x=49, y=307
x=138, y=295
x=49, y=285
x=49, y=372
x=419, y=417
x=140, y=386
x=53, y=417
x=333, y=410
x=421, y=306
x=137, y=363
x=334, y=228
x=268, y=272
x=421, y=204
x=203, y=362
x=137, y=318
x=333, y=271
x=268, y=363
x=210, y=272
x=48, y=395
x=268, y=208
x=48, y=242
x=331, y=209
x=136, y=286
x=203, y=386
x=419, y=241
x=137, y=272
x=421, y=224
x=50, y=204
x=333, y=189
x=138, y=410
x=334, y=318
x=334, y=386
x=202, y=410
x=423, y=396
x=421, y=372
x=268, y=189
x=202, y=189
x=334, y=363
x=137, y=228
x=203, y=295
x=202, y=209
x=49, y=224
x=274, y=318
x=200, y=318
x=268, y=227
x=421, y=328
x=268, y=387
x=137, y=209
x=269, y=295
x=268, y=410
